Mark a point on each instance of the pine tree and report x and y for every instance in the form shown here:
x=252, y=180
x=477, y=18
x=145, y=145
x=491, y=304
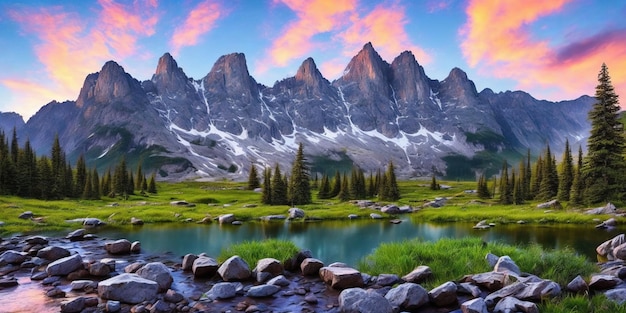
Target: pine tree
x=57, y=163
x=389, y=186
x=371, y=187
x=279, y=188
x=81, y=175
x=300, y=185
x=253, y=178
x=336, y=185
x=482, y=190
x=144, y=184
x=604, y=166
x=518, y=197
x=152, y=185
x=106, y=183
x=140, y=176
x=324, y=189
x=15, y=148
x=576, y=194
x=120, y=177
x=526, y=181
x=46, y=179
x=344, y=193
x=433, y=183
x=506, y=196
x=95, y=184
x=549, y=185
x=266, y=195
x=130, y=184
x=537, y=177
x=87, y=188
x=566, y=177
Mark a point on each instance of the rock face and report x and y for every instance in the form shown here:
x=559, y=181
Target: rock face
x=212, y=125
x=128, y=288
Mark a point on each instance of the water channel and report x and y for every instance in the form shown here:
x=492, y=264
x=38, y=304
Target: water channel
x=350, y=241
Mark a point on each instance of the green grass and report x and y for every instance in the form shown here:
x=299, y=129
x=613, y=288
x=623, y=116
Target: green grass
x=216, y=198
x=583, y=304
x=451, y=259
x=253, y=251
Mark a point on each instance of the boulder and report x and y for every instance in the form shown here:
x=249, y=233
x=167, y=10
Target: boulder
x=482, y=225
x=26, y=215
x=387, y=279
x=157, y=272
x=606, y=248
x=376, y=216
x=273, y=217
x=204, y=267
x=511, y=304
x=616, y=295
x=311, y=266
x=99, y=269
x=491, y=259
x=160, y=306
x=121, y=246
x=92, y=222
x=444, y=294
x=76, y=235
x=73, y=306
x=538, y=291
x=66, y=265
x=353, y=216
x=8, y=282
x=552, y=204
x=135, y=247
x=603, y=282
x=295, y=213
x=267, y=268
x=53, y=253
x=82, y=284
x=491, y=281
x=578, y=285
x=469, y=289
x=134, y=267
x=13, y=257
x=226, y=218
x=234, y=269
x=188, y=260
x=128, y=288
x=262, y=291
x=418, y=275
x=112, y=306
x=609, y=208
x=390, y=209
x=474, y=306
x=223, y=290
x=507, y=291
x=341, y=277
x=179, y=203
x=136, y=221
x=506, y=265
x=279, y=280
x=359, y=300
x=294, y=262
x=173, y=296
x=36, y=240
x=408, y=296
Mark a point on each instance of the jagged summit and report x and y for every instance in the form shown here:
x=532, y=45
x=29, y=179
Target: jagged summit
x=168, y=77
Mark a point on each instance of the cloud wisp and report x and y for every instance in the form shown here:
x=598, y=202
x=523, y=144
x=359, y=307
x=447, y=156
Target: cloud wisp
x=200, y=20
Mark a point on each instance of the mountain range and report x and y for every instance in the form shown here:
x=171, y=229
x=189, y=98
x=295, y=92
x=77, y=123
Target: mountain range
x=218, y=126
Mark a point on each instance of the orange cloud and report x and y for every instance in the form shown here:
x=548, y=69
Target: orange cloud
x=384, y=27
x=30, y=95
x=199, y=21
x=496, y=38
x=69, y=48
x=314, y=17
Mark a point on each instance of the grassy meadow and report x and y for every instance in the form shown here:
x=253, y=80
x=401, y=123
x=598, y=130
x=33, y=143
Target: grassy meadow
x=216, y=198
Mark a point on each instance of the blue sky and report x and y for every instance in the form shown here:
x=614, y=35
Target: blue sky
x=551, y=49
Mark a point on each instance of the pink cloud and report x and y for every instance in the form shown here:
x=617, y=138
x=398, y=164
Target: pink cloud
x=437, y=5
x=496, y=39
x=199, y=21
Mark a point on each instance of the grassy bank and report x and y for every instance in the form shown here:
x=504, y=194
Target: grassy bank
x=216, y=198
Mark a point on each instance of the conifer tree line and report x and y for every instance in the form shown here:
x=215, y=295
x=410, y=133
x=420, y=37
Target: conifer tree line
x=281, y=189
x=598, y=177
x=24, y=174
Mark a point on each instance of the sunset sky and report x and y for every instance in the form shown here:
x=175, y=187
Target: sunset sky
x=551, y=49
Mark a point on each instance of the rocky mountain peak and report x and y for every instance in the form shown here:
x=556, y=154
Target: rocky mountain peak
x=409, y=81
x=367, y=64
x=230, y=75
x=457, y=79
x=112, y=83
x=308, y=71
x=169, y=77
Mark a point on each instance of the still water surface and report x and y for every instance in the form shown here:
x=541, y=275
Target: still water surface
x=350, y=241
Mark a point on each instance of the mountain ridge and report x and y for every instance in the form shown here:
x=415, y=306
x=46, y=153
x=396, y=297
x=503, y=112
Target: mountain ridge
x=218, y=125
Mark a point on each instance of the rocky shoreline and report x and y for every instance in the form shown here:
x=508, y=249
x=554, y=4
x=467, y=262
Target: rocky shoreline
x=83, y=273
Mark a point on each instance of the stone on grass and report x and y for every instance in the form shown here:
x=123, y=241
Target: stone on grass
x=408, y=296
x=128, y=288
x=616, y=295
x=387, y=279
x=474, y=306
x=295, y=213
x=512, y=304
x=506, y=265
x=491, y=281
x=444, y=294
x=234, y=269
x=538, y=291
x=603, y=282
x=418, y=275
x=226, y=218
x=578, y=285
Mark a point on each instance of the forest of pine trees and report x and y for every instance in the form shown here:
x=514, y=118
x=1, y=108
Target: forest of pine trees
x=24, y=174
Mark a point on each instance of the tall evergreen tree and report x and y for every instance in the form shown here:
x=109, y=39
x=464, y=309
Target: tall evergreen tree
x=517, y=196
x=120, y=177
x=537, y=177
x=152, y=184
x=15, y=147
x=279, y=188
x=140, y=176
x=566, y=177
x=253, y=178
x=57, y=163
x=300, y=183
x=87, y=188
x=604, y=166
x=526, y=181
x=433, y=183
x=46, y=179
x=106, y=183
x=130, y=184
x=549, y=185
x=95, y=184
x=389, y=190
x=81, y=175
x=482, y=190
x=371, y=186
x=344, y=193
x=506, y=196
x=336, y=185
x=266, y=195
x=324, y=189
x=578, y=187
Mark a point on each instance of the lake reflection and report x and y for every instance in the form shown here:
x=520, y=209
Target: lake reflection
x=350, y=241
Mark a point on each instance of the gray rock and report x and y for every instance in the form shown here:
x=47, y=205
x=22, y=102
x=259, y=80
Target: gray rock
x=609, y=208
x=262, y=291
x=507, y=291
x=128, y=288
x=491, y=259
x=511, y=304
x=53, y=253
x=234, y=269
x=606, y=248
x=619, y=252
x=73, y=306
x=603, y=282
x=26, y=215
x=552, y=204
x=113, y=306
x=55, y=292
x=134, y=267
x=470, y=289
x=408, y=296
x=390, y=209
x=160, y=307
x=268, y=268
x=136, y=221
x=188, y=260
x=121, y=246
x=226, y=218
x=474, y=306
x=490, y=280
x=418, y=275
x=538, y=291
x=99, y=269
x=158, y=272
x=578, y=285
x=8, y=282
x=616, y=295
x=204, y=267
x=82, y=284
x=93, y=222
x=353, y=216
x=13, y=257
x=279, y=280
x=341, y=277
x=311, y=266
x=273, y=217
x=173, y=296
x=66, y=265
x=296, y=213
x=387, y=279
x=135, y=247
x=36, y=240
x=359, y=300
x=294, y=262
x=506, y=265
x=444, y=294
x=76, y=235
x=223, y=290
x=376, y=216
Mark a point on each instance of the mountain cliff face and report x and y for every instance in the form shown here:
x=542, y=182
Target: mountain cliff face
x=217, y=126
